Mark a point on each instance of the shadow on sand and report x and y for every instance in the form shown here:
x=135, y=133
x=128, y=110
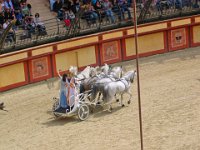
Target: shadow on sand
x=60, y=121
x=96, y=112
x=100, y=112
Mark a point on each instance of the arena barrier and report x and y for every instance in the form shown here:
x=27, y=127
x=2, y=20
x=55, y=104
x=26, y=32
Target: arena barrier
x=42, y=62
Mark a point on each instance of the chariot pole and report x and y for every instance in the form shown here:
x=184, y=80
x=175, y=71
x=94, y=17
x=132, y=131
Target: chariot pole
x=138, y=74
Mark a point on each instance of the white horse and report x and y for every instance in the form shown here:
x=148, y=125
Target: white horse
x=105, y=69
x=94, y=71
x=84, y=74
x=120, y=86
x=98, y=86
x=116, y=72
x=112, y=75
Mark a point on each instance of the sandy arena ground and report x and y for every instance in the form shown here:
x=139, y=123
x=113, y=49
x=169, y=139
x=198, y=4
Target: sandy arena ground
x=170, y=94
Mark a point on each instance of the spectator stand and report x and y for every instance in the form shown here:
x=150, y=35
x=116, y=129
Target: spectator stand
x=85, y=22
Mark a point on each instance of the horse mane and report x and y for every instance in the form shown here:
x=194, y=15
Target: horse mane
x=126, y=76
x=85, y=73
x=106, y=68
x=73, y=69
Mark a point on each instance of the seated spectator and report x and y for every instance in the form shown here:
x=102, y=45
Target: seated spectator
x=123, y=5
x=57, y=7
x=19, y=17
x=178, y=4
x=25, y=10
x=51, y=4
x=8, y=4
x=90, y=14
x=9, y=14
x=2, y=6
x=16, y=4
x=29, y=25
x=39, y=25
x=75, y=7
x=108, y=11
x=67, y=4
x=195, y=4
x=2, y=19
x=86, y=2
x=6, y=23
x=10, y=35
x=29, y=8
x=116, y=9
x=37, y=20
x=99, y=8
x=69, y=17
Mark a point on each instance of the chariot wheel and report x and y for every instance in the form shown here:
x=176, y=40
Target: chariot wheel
x=83, y=112
x=55, y=105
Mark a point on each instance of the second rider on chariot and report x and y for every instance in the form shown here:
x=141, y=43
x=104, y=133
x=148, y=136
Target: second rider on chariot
x=67, y=91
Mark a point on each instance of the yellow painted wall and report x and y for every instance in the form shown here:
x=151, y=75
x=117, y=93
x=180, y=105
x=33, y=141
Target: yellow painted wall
x=75, y=43
x=65, y=60
x=181, y=22
x=148, y=28
x=196, y=33
x=152, y=27
x=12, y=74
x=86, y=56
x=112, y=35
x=79, y=57
x=13, y=58
x=146, y=43
x=42, y=51
x=197, y=19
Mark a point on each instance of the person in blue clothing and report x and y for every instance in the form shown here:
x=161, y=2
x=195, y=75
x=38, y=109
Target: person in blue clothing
x=63, y=101
x=67, y=90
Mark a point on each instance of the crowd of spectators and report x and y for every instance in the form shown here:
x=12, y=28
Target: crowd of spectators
x=19, y=13
x=177, y=4
x=112, y=10
x=93, y=10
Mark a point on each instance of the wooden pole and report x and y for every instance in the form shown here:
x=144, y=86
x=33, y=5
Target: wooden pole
x=138, y=74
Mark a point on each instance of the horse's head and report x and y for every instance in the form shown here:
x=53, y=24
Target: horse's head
x=129, y=76
x=133, y=74
x=93, y=71
x=117, y=71
x=105, y=69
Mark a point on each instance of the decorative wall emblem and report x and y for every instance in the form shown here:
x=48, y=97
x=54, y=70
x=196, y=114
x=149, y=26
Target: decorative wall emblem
x=178, y=37
x=110, y=51
x=40, y=67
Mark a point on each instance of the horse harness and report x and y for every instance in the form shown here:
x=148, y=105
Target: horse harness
x=125, y=82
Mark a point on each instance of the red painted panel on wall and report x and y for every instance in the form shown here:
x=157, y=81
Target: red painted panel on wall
x=178, y=39
x=40, y=69
x=110, y=52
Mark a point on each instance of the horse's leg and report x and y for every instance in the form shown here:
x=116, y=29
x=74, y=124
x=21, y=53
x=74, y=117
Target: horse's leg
x=117, y=100
x=99, y=96
x=110, y=108
x=130, y=96
x=122, y=100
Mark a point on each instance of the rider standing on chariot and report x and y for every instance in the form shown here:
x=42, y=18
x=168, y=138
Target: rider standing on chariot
x=67, y=91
